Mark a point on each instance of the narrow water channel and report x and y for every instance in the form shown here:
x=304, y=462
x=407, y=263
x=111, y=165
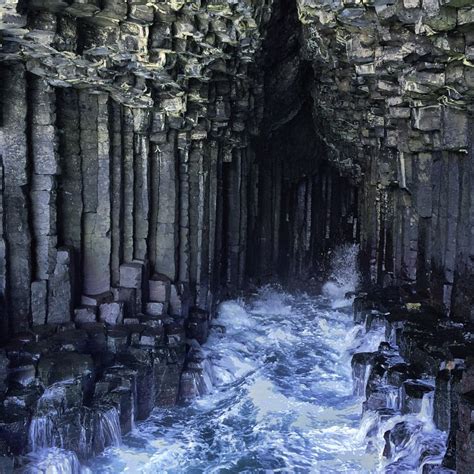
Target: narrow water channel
x=280, y=397
x=280, y=365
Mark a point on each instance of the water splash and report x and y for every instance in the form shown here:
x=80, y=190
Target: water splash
x=371, y=341
x=427, y=411
x=281, y=397
x=403, y=443
x=369, y=423
x=99, y=427
x=53, y=461
x=344, y=277
x=42, y=433
x=393, y=398
x=107, y=431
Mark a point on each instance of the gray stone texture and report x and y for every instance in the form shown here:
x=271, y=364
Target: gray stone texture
x=211, y=141
x=111, y=313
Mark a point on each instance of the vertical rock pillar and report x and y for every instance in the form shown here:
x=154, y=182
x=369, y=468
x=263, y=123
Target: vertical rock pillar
x=95, y=148
x=18, y=261
x=166, y=221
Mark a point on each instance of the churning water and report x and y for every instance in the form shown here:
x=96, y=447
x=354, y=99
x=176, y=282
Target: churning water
x=281, y=396
x=282, y=399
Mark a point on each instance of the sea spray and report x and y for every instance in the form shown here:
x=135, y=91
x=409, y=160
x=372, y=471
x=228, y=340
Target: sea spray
x=344, y=276
x=52, y=461
x=282, y=396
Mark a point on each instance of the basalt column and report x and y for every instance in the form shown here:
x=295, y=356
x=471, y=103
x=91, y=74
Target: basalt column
x=124, y=194
x=156, y=155
x=124, y=161
x=392, y=97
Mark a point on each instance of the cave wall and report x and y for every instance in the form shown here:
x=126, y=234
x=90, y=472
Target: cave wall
x=393, y=103
x=387, y=149
x=201, y=142
x=154, y=155
x=125, y=128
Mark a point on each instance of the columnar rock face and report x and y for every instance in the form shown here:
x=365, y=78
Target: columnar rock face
x=123, y=197
x=194, y=137
x=393, y=103
x=423, y=354
x=368, y=134
x=155, y=153
x=125, y=131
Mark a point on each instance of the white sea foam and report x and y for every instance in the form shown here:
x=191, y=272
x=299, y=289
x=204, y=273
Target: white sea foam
x=282, y=397
x=344, y=277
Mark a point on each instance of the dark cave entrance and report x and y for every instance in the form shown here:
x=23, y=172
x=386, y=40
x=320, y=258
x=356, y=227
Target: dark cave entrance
x=301, y=206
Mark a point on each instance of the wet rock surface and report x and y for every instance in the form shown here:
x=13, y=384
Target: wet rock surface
x=78, y=389
x=122, y=124
x=419, y=372
x=157, y=155
x=159, y=138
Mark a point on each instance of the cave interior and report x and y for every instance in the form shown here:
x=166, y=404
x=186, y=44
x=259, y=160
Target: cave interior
x=159, y=157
